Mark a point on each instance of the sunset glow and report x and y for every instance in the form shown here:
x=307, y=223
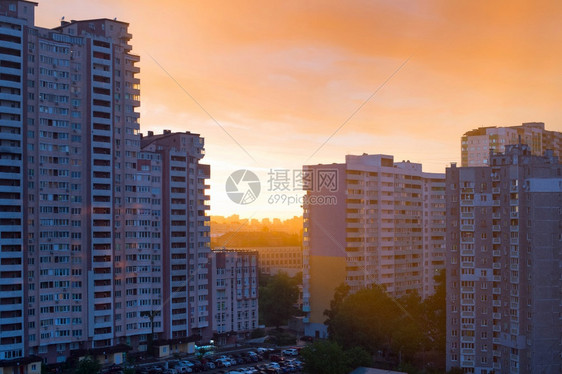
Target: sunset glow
x=281, y=77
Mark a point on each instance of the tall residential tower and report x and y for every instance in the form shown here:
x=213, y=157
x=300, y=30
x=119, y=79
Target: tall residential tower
x=504, y=261
x=103, y=242
x=370, y=221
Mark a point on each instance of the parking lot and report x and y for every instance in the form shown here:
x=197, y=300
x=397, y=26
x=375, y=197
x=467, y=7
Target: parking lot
x=256, y=361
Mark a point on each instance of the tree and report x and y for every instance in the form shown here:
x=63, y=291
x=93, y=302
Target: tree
x=435, y=309
x=88, y=365
x=324, y=357
x=356, y=357
x=366, y=318
x=328, y=357
x=277, y=300
x=339, y=295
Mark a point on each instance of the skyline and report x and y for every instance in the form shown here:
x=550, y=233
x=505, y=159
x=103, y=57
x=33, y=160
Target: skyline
x=281, y=79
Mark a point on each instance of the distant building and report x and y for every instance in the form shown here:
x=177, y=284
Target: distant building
x=233, y=278
x=504, y=264
x=476, y=144
x=370, y=221
x=273, y=260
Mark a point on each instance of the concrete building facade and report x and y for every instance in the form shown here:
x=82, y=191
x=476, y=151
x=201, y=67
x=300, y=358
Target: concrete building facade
x=367, y=222
x=103, y=242
x=504, y=264
x=273, y=260
x=233, y=276
x=185, y=231
x=476, y=144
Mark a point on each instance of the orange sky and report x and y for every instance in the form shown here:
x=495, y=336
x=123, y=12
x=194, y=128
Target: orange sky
x=282, y=76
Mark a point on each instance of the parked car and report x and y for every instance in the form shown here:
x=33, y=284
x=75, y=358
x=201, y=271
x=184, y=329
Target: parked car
x=290, y=352
x=223, y=362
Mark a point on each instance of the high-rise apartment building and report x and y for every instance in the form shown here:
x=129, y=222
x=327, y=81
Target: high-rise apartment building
x=504, y=262
x=185, y=231
x=370, y=221
x=233, y=277
x=477, y=144
x=103, y=242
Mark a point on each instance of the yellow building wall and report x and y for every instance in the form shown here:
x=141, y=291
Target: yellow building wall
x=326, y=274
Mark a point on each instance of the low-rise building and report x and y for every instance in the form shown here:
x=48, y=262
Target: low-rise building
x=273, y=260
x=233, y=278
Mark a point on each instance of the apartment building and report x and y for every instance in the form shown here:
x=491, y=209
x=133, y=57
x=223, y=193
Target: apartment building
x=476, y=144
x=12, y=173
x=504, y=264
x=233, y=276
x=370, y=221
x=102, y=242
x=185, y=231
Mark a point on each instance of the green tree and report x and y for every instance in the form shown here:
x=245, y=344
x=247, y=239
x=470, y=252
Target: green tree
x=356, y=357
x=324, y=357
x=367, y=319
x=88, y=365
x=340, y=293
x=435, y=308
x=277, y=300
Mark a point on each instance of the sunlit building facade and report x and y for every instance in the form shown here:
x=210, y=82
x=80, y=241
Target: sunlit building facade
x=370, y=221
x=273, y=260
x=476, y=144
x=504, y=261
